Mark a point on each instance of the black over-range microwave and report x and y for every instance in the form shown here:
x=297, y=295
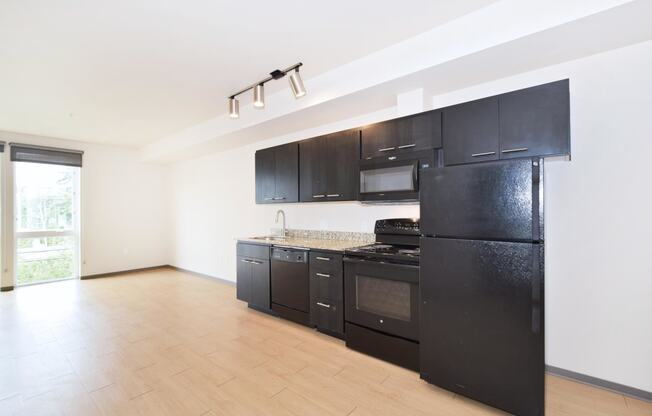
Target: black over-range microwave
x=394, y=178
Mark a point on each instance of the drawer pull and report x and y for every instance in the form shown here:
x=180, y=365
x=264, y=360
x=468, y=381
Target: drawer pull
x=387, y=149
x=278, y=198
x=324, y=305
x=483, y=154
x=518, y=149
x=269, y=199
x=333, y=195
x=392, y=158
x=407, y=146
x=318, y=196
x=322, y=275
x=323, y=258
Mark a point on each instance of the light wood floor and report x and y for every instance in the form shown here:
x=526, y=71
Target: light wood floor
x=167, y=343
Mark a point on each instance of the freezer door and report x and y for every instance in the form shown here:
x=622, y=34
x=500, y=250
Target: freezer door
x=482, y=321
x=493, y=201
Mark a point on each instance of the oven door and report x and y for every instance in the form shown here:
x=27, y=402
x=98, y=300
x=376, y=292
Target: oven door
x=382, y=296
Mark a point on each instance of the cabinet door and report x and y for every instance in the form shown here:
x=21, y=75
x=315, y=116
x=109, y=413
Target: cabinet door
x=243, y=279
x=535, y=121
x=312, y=173
x=470, y=132
x=260, y=287
x=420, y=132
x=287, y=173
x=380, y=139
x=265, y=175
x=341, y=155
x=482, y=321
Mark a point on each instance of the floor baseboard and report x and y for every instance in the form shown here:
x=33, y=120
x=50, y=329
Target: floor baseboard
x=603, y=384
x=207, y=276
x=121, y=272
x=6, y=289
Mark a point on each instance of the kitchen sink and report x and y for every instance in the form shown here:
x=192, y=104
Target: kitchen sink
x=270, y=238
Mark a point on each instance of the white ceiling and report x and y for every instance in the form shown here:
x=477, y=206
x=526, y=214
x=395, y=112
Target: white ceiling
x=129, y=72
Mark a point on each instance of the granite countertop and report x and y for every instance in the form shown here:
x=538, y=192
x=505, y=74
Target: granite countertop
x=317, y=240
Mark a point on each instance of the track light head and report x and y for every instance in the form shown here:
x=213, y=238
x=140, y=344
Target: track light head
x=297, y=84
x=259, y=96
x=234, y=107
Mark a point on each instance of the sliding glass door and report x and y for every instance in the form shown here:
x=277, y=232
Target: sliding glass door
x=46, y=201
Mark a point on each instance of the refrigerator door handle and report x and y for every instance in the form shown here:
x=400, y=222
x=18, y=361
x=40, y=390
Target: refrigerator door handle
x=536, y=293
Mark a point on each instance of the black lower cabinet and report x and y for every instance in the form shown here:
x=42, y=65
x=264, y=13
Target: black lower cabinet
x=253, y=276
x=482, y=321
x=327, y=293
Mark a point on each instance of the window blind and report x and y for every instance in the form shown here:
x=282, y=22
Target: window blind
x=42, y=154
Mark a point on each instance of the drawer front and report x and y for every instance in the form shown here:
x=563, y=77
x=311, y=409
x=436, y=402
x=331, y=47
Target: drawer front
x=325, y=262
x=326, y=284
x=327, y=314
x=256, y=251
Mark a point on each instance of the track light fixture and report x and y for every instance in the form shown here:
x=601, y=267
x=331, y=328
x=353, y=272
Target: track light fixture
x=259, y=96
x=296, y=84
x=234, y=107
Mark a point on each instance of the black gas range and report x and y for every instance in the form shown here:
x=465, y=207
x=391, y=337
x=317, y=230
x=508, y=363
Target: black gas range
x=381, y=288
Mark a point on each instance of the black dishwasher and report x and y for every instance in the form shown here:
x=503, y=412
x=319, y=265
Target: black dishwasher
x=290, y=284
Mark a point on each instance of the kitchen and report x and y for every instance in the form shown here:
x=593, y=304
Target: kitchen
x=423, y=208
x=477, y=170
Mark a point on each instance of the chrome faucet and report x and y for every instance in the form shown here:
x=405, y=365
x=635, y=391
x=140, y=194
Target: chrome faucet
x=284, y=231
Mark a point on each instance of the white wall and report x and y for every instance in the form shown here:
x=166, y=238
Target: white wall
x=124, y=215
x=597, y=207
x=213, y=203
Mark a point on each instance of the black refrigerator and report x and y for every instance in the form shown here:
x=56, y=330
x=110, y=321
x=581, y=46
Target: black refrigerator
x=481, y=282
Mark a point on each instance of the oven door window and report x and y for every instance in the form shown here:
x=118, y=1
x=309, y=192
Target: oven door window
x=383, y=297
x=388, y=179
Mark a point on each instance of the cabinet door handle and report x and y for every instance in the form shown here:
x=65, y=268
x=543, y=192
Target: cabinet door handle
x=269, y=199
x=407, y=146
x=246, y=261
x=323, y=258
x=518, y=149
x=392, y=158
x=333, y=195
x=387, y=149
x=323, y=275
x=324, y=305
x=279, y=198
x=483, y=154
x=318, y=196
x=256, y=262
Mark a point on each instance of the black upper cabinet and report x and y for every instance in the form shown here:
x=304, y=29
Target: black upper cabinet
x=471, y=131
x=379, y=139
x=530, y=122
x=535, y=121
x=342, y=155
x=312, y=175
x=265, y=175
x=277, y=174
x=328, y=167
x=420, y=132
x=406, y=134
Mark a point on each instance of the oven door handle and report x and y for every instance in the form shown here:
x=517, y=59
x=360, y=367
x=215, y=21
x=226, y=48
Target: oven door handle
x=363, y=261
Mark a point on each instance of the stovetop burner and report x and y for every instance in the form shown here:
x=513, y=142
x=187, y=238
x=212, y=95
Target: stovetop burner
x=397, y=241
x=398, y=253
